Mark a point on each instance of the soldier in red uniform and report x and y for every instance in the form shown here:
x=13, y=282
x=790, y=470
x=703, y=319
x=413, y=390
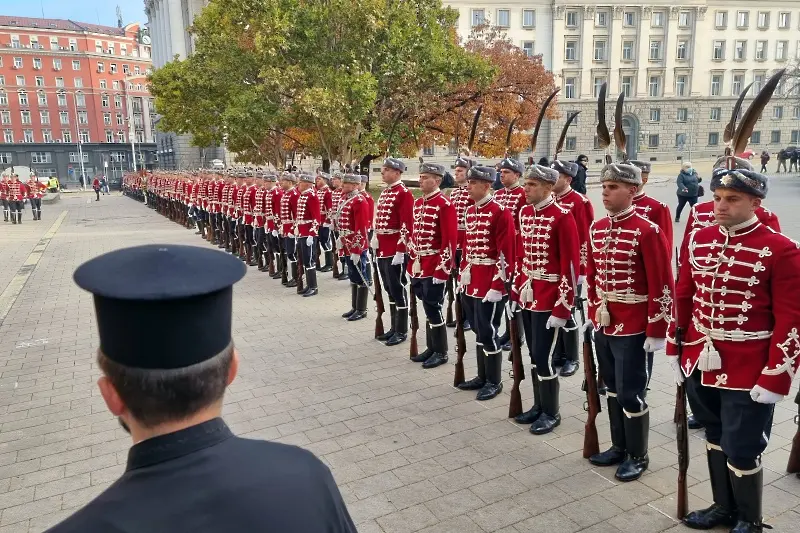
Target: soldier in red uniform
x=259, y=222
x=393, y=225
x=272, y=209
x=432, y=246
x=17, y=192
x=461, y=200
x=739, y=355
x=630, y=291
x=336, y=201
x=566, y=354
x=485, y=268
x=36, y=190
x=352, y=221
x=217, y=188
x=287, y=216
x=307, y=225
x=4, y=180
x=650, y=208
x=325, y=242
x=249, y=203
x=544, y=287
x=226, y=199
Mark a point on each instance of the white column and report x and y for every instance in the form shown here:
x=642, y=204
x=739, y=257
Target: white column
x=615, y=51
x=644, y=51
x=177, y=28
x=670, y=51
x=587, y=52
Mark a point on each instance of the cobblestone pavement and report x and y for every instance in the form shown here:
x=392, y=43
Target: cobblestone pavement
x=410, y=452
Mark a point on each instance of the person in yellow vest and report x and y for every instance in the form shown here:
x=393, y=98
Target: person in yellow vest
x=53, y=185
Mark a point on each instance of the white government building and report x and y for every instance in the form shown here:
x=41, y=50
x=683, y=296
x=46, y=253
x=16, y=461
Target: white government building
x=681, y=67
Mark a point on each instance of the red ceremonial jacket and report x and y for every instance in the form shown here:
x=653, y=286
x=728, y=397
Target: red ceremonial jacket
x=3, y=189
x=238, y=201
x=488, y=256
x=353, y=224
x=512, y=199
x=288, y=211
x=738, y=297
x=371, y=205
x=394, y=220
x=432, y=243
x=17, y=191
x=629, y=275
x=36, y=188
x=336, y=200
x=217, y=195
x=583, y=213
x=260, y=201
x=227, y=198
x=249, y=203
x=324, y=195
x=547, y=259
x=308, y=216
x=272, y=208
x=461, y=200
x=657, y=213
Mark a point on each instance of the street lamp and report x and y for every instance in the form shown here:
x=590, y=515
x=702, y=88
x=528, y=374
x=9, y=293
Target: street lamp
x=78, y=137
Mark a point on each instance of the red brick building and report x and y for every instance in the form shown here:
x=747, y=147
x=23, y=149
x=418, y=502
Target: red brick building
x=64, y=82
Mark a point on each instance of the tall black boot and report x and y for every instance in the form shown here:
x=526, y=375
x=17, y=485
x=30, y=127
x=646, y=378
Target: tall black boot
x=400, y=328
x=748, y=489
x=353, y=298
x=479, y=381
x=291, y=270
x=5, y=215
x=328, y=266
x=637, y=429
x=362, y=296
x=393, y=317
x=439, y=344
x=278, y=266
x=19, y=217
x=550, y=418
x=723, y=511
x=616, y=454
x=343, y=272
x=311, y=283
x=529, y=417
x=13, y=217
x=494, y=384
x=199, y=227
x=422, y=356
x=571, y=338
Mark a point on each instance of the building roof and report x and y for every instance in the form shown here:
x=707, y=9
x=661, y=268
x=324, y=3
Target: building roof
x=58, y=24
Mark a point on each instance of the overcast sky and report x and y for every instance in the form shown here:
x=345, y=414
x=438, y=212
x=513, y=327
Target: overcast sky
x=95, y=11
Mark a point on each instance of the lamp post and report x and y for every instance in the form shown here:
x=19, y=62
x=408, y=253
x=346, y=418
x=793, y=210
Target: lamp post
x=78, y=137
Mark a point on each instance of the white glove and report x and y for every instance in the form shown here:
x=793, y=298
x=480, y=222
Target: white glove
x=511, y=308
x=652, y=344
x=398, y=258
x=493, y=296
x=274, y=233
x=326, y=225
x=310, y=241
x=581, y=279
x=555, y=322
x=437, y=281
x=355, y=258
x=586, y=326
x=761, y=395
x=675, y=364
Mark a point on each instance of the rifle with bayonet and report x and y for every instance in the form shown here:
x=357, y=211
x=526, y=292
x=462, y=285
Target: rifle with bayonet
x=793, y=466
x=593, y=407
x=680, y=418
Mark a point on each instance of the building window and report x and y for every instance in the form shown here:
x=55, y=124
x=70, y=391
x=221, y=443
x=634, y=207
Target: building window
x=652, y=141
x=44, y=116
x=98, y=47
x=25, y=116
x=15, y=42
x=571, y=51
x=80, y=100
x=123, y=49
x=78, y=83
x=2, y=80
x=627, y=50
x=136, y=69
x=101, y=67
x=121, y=122
x=110, y=49
x=112, y=68
x=17, y=62
x=713, y=138
x=59, y=82
x=742, y=19
x=75, y=157
x=120, y=136
x=117, y=101
x=429, y=150
x=66, y=136
x=109, y=136
x=104, y=100
x=763, y=20
x=601, y=19
x=5, y=117
x=5, y=158
x=629, y=19
x=655, y=114
x=716, y=84
x=658, y=19
x=755, y=137
x=721, y=20
x=503, y=17
x=107, y=119
x=41, y=157
x=27, y=136
x=83, y=117
x=683, y=114
x=139, y=137
x=571, y=144
x=795, y=137
x=62, y=99
x=528, y=20
x=682, y=52
x=719, y=51
x=84, y=136
x=598, y=84
x=775, y=137
x=655, y=86
x=63, y=117
x=23, y=98
x=37, y=63
x=761, y=50
x=53, y=43
x=738, y=83
x=683, y=19
x=784, y=20
x=76, y=65
x=103, y=84
x=8, y=136
x=600, y=50
x=478, y=17
x=572, y=19
x=680, y=85
x=655, y=50
x=56, y=64
x=569, y=88
x=740, y=51
x=3, y=98
x=115, y=85
x=780, y=50
x=527, y=48
x=796, y=112
x=777, y=112
x=627, y=86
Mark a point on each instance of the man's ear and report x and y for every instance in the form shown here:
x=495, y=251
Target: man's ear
x=756, y=202
x=234, y=369
x=111, y=396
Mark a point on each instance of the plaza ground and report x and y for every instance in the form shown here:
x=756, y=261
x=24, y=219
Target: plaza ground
x=409, y=452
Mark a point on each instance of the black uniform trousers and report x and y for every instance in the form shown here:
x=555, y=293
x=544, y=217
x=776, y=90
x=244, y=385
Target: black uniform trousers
x=325, y=239
x=307, y=252
x=290, y=245
x=6, y=206
x=260, y=240
x=248, y=234
x=732, y=420
x=485, y=318
x=432, y=297
x=36, y=204
x=17, y=206
x=625, y=368
x=275, y=243
x=541, y=342
x=362, y=274
x=394, y=281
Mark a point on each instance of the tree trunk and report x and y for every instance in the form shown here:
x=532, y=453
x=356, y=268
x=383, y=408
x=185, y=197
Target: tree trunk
x=326, y=165
x=363, y=168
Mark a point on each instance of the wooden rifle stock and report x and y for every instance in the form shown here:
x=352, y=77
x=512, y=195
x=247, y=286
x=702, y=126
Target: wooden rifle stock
x=591, y=442
x=450, y=298
x=515, y=405
x=271, y=267
x=413, y=350
x=682, y=437
x=299, y=270
x=461, y=345
x=793, y=466
x=284, y=266
x=335, y=253
x=379, y=307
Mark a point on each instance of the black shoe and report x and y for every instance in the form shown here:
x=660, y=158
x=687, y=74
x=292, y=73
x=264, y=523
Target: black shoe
x=291, y=283
x=550, y=417
x=326, y=268
x=353, y=298
x=423, y=356
x=451, y=324
x=401, y=328
x=507, y=347
x=568, y=369
x=396, y=339
x=743, y=526
x=692, y=423
x=342, y=276
x=478, y=382
x=310, y=292
x=489, y=391
x=393, y=318
x=358, y=315
x=362, y=294
x=545, y=424
x=467, y=326
x=276, y=275
x=632, y=468
x=637, y=429
x=475, y=383
x=386, y=336
x=530, y=416
x=709, y=518
x=437, y=359
x=610, y=457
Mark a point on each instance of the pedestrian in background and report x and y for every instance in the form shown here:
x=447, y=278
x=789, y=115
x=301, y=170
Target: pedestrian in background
x=764, y=160
x=688, y=188
x=579, y=182
x=96, y=187
x=793, y=159
x=104, y=184
x=782, y=157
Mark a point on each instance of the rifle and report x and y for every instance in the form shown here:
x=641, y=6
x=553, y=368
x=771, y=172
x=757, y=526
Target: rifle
x=680, y=419
x=270, y=255
x=284, y=262
x=335, y=253
x=793, y=466
x=461, y=344
x=515, y=405
x=413, y=348
x=591, y=443
x=450, y=299
x=379, y=307
x=299, y=257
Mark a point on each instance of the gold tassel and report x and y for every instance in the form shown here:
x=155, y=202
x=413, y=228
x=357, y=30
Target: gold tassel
x=416, y=268
x=374, y=242
x=709, y=358
x=603, y=317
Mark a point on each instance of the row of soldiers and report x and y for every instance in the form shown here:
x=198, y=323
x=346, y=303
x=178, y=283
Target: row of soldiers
x=14, y=193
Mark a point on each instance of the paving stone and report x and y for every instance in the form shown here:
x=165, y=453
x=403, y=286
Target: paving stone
x=548, y=522
x=407, y=520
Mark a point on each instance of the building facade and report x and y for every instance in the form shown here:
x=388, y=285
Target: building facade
x=64, y=84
